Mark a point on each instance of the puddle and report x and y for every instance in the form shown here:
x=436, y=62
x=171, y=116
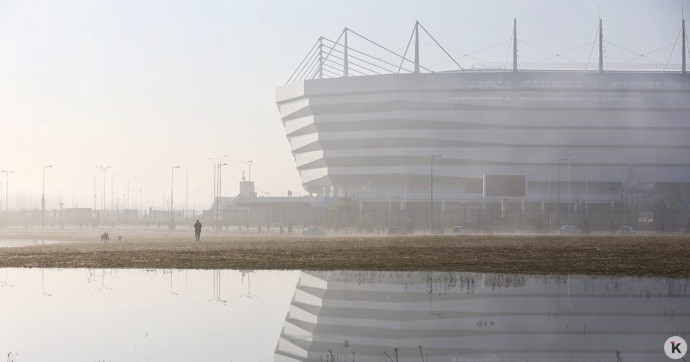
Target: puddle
x=142, y=315
x=367, y=316
x=245, y=315
x=15, y=243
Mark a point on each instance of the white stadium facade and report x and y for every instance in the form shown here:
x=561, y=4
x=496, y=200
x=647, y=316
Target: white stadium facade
x=539, y=147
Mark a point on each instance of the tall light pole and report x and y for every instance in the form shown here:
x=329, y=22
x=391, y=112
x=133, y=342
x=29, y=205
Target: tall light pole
x=559, y=191
x=104, y=168
x=220, y=191
x=95, y=207
x=390, y=181
x=586, y=190
x=569, y=159
x=112, y=191
x=216, y=162
x=570, y=194
x=141, y=201
x=186, y=196
x=347, y=176
x=7, y=187
x=172, y=187
x=349, y=201
x=431, y=228
x=43, y=194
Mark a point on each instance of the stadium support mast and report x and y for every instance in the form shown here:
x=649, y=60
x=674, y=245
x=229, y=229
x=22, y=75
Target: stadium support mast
x=345, y=57
x=601, y=48
x=683, y=54
x=416, y=47
x=320, y=57
x=515, y=45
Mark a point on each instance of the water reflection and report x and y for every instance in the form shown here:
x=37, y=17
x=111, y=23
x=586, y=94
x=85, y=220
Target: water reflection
x=433, y=316
x=43, y=289
x=5, y=283
x=141, y=315
x=217, y=288
x=255, y=315
x=248, y=274
x=16, y=243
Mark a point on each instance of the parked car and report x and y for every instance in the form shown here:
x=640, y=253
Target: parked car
x=311, y=231
x=626, y=230
x=568, y=229
x=460, y=230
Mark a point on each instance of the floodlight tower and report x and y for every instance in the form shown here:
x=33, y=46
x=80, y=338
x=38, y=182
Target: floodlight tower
x=43, y=194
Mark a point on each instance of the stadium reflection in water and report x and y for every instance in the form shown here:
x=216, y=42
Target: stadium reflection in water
x=433, y=316
x=243, y=315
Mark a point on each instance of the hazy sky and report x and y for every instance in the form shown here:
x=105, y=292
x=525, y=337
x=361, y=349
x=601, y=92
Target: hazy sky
x=145, y=85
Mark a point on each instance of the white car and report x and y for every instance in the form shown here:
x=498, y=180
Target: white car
x=568, y=229
x=460, y=230
x=313, y=232
x=626, y=230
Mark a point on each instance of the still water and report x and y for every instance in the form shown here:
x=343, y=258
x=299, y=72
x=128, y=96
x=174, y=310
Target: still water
x=246, y=315
x=15, y=243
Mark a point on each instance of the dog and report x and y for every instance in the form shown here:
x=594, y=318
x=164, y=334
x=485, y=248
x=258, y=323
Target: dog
x=105, y=238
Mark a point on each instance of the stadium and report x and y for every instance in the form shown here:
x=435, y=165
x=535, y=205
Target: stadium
x=506, y=146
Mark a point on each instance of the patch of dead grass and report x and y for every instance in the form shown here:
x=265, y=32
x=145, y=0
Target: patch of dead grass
x=659, y=255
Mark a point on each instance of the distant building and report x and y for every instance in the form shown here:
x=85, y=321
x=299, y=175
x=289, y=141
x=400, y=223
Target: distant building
x=539, y=147
x=250, y=212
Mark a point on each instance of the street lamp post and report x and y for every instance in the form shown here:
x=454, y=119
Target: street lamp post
x=141, y=201
x=103, y=168
x=431, y=228
x=346, y=178
x=112, y=191
x=43, y=194
x=7, y=187
x=570, y=194
x=586, y=189
x=172, y=187
x=215, y=185
x=216, y=162
x=390, y=182
x=569, y=159
x=186, y=195
x=95, y=207
x=349, y=201
x=559, y=192
x=220, y=192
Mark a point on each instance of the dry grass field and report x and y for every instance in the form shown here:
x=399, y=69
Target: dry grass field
x=658, y=255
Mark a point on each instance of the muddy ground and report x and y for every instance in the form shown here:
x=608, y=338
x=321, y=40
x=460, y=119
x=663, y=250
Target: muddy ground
x=658, y=255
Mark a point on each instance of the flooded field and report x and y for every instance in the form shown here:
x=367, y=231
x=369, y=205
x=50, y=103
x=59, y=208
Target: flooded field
x=142, y=315
x=17, y=243
x=259, y=315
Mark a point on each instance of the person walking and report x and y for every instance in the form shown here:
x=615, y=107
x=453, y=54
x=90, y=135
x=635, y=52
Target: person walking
x=197, y=229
